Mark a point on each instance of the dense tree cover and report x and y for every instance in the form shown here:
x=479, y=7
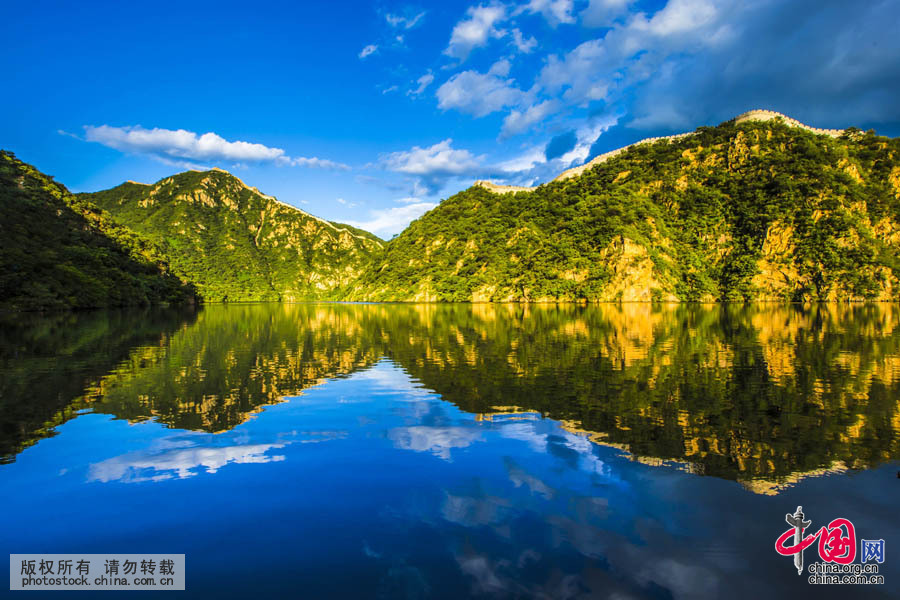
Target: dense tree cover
x=761, y=391
x=61, y=251
x=734, y=212
x=236, y=244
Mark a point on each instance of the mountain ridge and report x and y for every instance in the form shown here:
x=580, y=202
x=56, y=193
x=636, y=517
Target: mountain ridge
x=337, y=225
x=756, y=114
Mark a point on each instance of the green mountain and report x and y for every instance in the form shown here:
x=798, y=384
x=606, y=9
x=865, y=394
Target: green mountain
x=237, y=244
x=60, y=251
x=758, y=208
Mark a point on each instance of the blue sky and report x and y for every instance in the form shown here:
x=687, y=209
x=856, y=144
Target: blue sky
x=371, y=113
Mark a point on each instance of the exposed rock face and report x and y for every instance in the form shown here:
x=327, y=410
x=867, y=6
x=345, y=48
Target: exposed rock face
x=634, y=278
x=778, y=277
x=235, y=243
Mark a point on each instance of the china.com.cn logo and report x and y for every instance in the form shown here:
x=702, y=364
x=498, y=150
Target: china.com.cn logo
x=836, y=545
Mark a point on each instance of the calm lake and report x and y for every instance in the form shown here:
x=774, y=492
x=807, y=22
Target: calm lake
x=451, y=451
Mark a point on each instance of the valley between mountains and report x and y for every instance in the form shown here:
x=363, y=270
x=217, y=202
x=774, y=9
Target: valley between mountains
x=758, y=208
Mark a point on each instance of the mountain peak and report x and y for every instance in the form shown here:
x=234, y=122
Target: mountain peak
x=237, y=243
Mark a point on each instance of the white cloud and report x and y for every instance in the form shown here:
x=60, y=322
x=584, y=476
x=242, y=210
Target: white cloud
x=677, y=17
x=479, y=94
x=585, y=138
x=170, y=145
x=523, y=44
x=554, y=11
x=424, y=81
x=582, y=71
x=402, y=22
x=532, y=166
x=388, y=221
x=368, y=50
x=431, y=168
x=525, y=161
x=475, y=31
x=518, y=121
x=320, y=163
x=633, y=51
x=500, y=68
x=389, y=90
x=437, y=160
x=602, y=13
x=179, y=143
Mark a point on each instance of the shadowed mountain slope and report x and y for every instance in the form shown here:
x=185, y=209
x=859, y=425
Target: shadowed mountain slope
x=58, y=250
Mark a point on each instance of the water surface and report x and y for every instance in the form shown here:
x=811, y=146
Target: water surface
x=448, y=451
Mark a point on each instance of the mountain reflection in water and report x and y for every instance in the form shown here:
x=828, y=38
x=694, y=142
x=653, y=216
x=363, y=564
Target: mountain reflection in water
x=761, y=394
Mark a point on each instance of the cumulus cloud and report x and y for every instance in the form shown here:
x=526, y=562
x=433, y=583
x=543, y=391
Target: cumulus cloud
x=684, y=64
x=517, y=121
x=433, y=166
x=171, y=145
x=634, y=51
x=581, y=73
x=475, y=30
x=554, y=11
x=602, y=13
x=388, y=221
x=677, y=17
x=368, y=50
x=523, y=44
x=441, y=158
x=480, y=94
x=179, y=143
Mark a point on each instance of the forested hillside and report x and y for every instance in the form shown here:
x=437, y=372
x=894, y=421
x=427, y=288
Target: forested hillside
x=742, y=211
x=236, y=244
x=60, y=251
